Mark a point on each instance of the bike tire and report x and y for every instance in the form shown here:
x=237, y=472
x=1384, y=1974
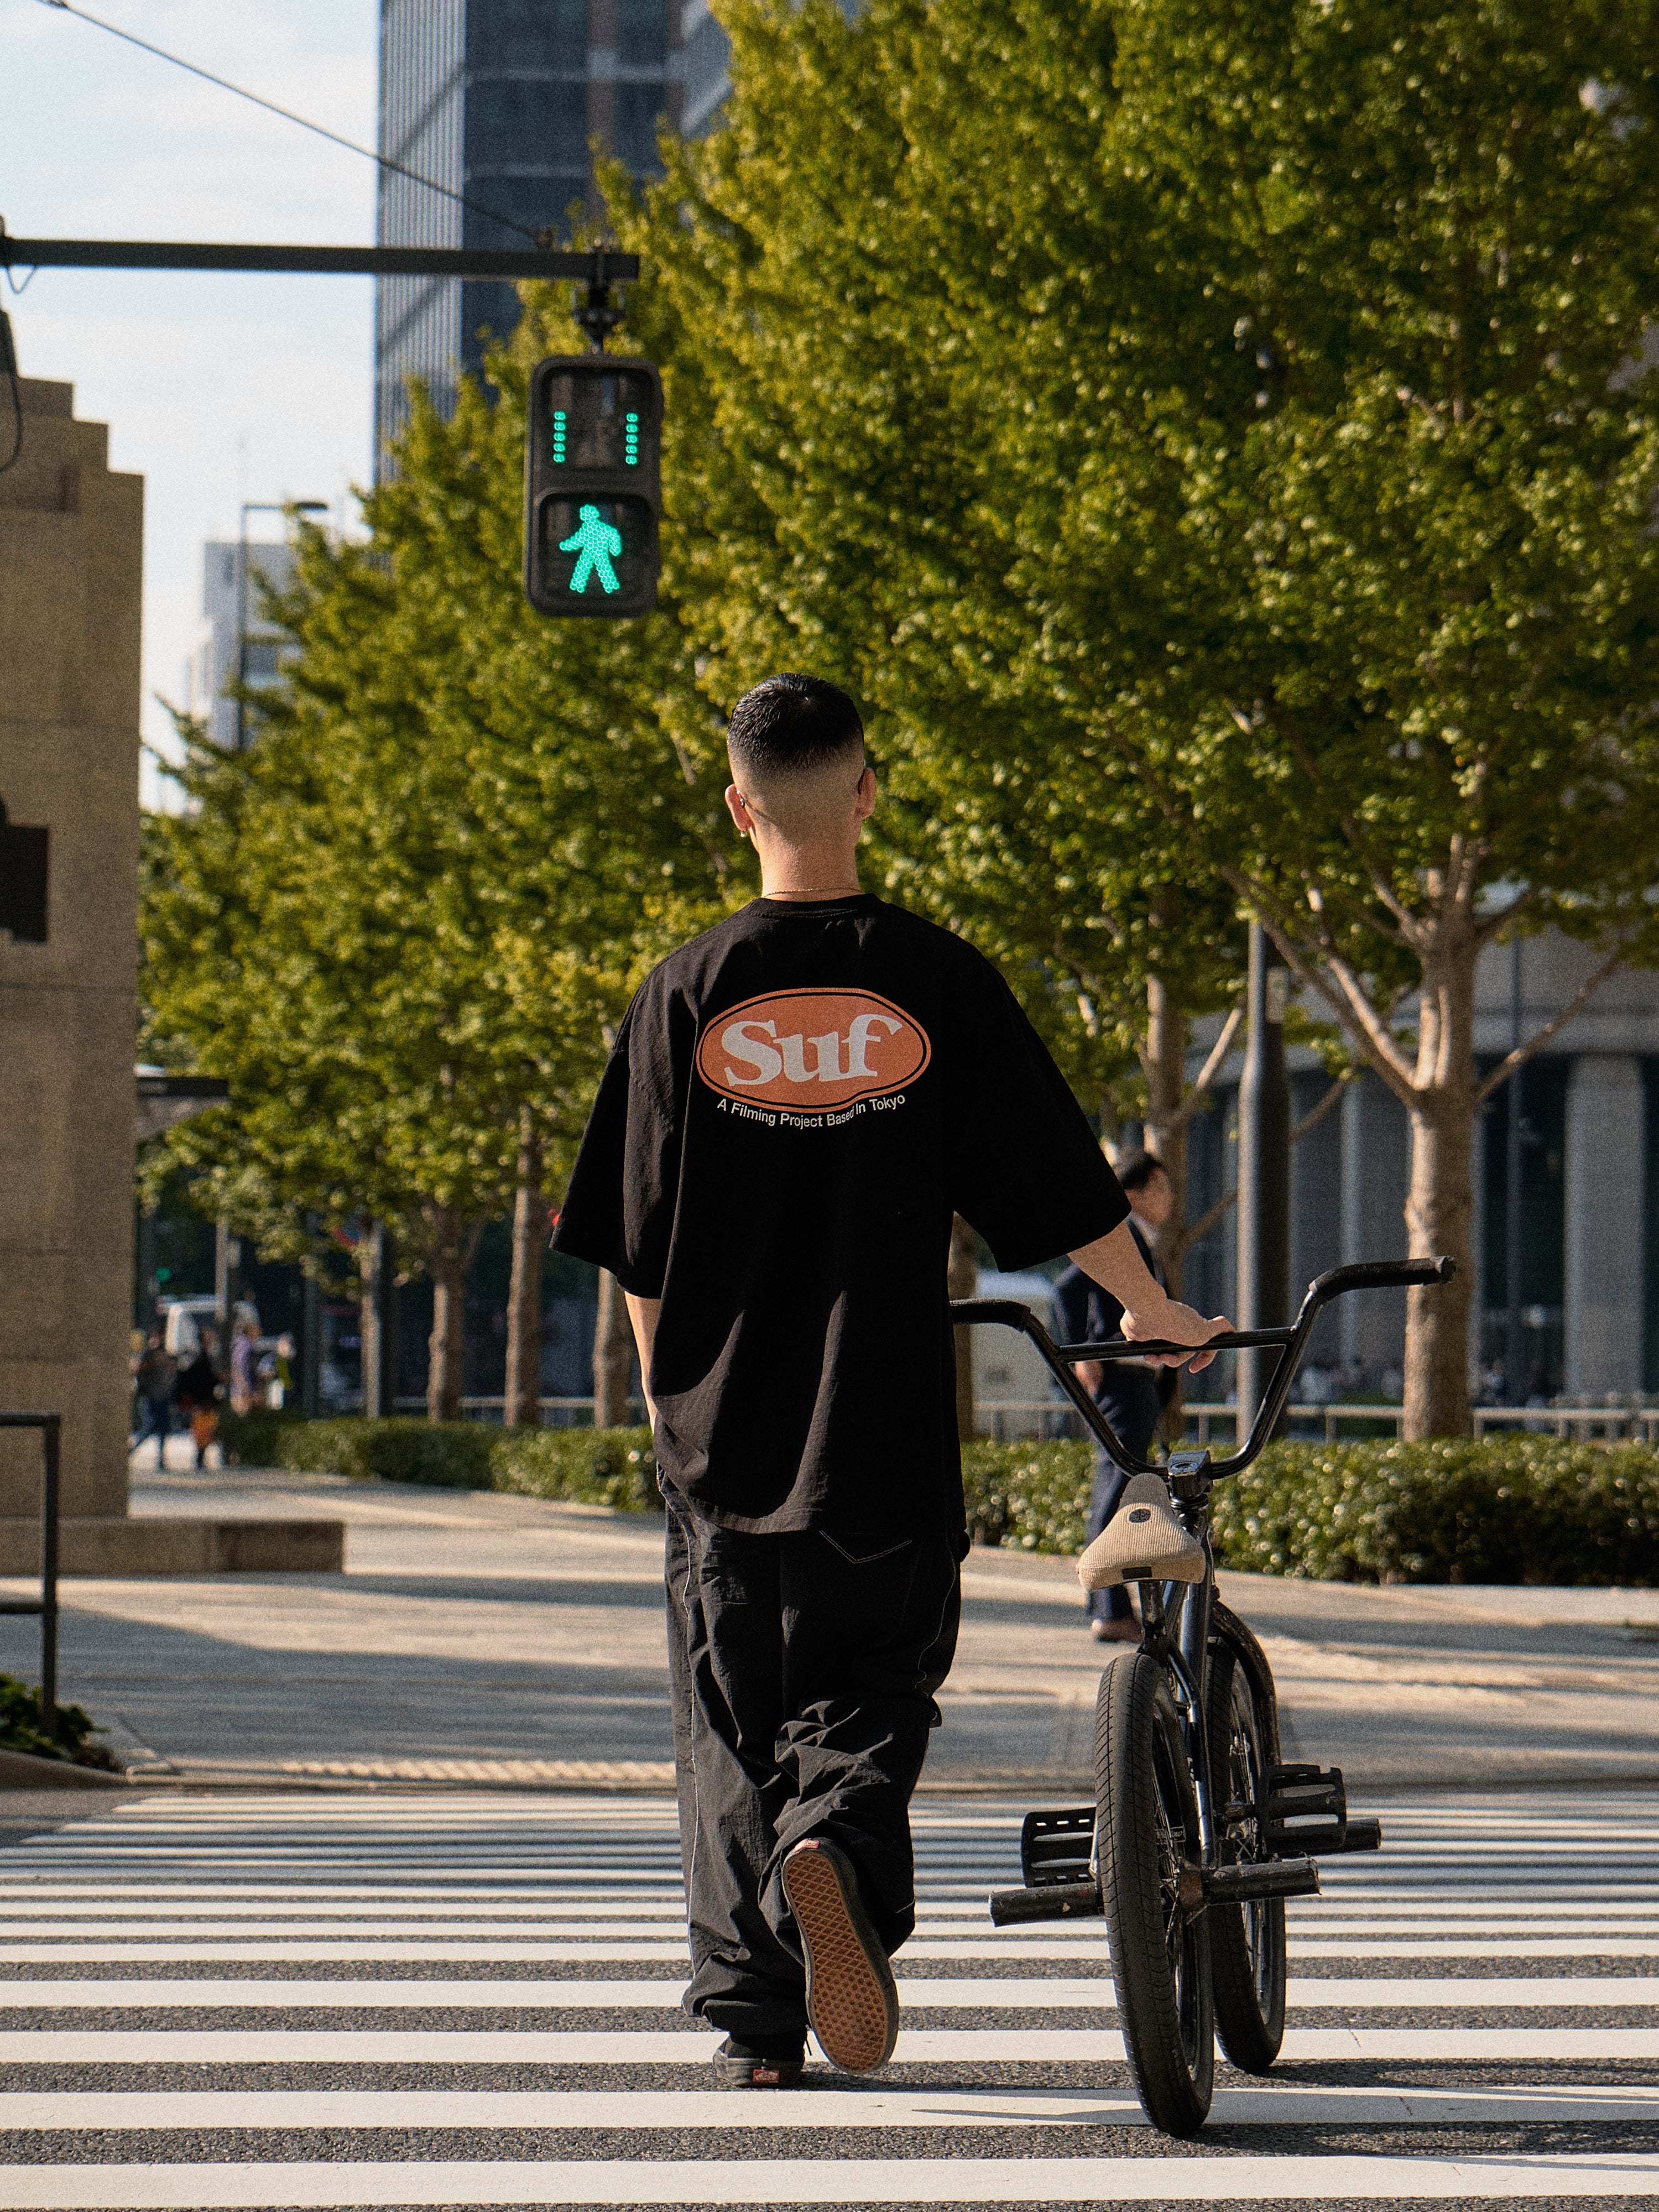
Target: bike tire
x=1146, y=1838
x=1246, y=1940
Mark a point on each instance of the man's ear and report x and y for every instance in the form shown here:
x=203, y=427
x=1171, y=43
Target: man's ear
x=736, y=806
x=865, y=796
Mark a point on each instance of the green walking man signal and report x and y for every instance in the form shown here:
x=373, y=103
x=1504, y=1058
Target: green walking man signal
x=599, y=544
x=591, y=486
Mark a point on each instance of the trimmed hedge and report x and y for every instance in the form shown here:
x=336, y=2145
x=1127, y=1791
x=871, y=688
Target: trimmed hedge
x=1506, y=1508
x=1032, y=1497
x=585, y=1467
x=1510, y=1509
x=588, y=1467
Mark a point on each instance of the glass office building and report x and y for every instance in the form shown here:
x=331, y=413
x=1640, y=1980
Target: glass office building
x=501, y=100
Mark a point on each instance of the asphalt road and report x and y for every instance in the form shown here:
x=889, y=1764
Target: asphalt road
x=470, y=1999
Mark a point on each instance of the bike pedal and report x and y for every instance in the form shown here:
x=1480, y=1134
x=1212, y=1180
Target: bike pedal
x=1057, y=1848
x=1303, y=1809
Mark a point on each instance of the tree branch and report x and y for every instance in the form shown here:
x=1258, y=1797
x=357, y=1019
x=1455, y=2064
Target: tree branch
x=1206, y=1075
x=1315, y=1114
x=1200, y=1227
x=1349, y=1003
x=1506, y=1067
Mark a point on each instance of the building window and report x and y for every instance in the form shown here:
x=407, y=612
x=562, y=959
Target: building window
x=639, y=108
x=526, y=34
x=708, y=61
x=642, y=34
x=526, y=122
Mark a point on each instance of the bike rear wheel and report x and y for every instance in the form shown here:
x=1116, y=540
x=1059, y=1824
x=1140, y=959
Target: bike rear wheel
x=1246, y=1940
x=1147, y=1857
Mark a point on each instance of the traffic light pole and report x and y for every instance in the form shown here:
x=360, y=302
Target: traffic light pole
x=598, y=267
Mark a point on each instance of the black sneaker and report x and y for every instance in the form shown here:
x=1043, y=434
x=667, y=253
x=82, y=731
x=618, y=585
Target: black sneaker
x=742, y=2066
x=851, y=2001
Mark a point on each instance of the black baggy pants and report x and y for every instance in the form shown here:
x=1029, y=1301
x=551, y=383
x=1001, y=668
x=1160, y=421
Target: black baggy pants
x=802, y=1670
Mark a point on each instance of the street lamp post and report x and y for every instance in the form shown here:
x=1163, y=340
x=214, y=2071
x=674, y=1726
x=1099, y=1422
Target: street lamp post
x=257, y=507
x=1264, y=1169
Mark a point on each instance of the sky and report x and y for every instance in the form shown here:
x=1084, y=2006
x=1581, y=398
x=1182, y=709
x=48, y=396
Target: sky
x=216, y=389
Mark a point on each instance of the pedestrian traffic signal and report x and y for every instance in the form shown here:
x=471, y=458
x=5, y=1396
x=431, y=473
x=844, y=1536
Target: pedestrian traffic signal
x=591, y=486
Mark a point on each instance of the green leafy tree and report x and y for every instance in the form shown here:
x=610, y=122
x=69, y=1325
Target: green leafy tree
x=1247, y=416
x=404, y=921
x=832, y=504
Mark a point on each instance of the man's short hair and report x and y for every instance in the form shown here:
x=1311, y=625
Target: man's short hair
x=1136, y=1170
x=791, y=723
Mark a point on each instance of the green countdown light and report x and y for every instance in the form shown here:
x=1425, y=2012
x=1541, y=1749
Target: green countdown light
x=558, y=433
x=599, y=543
x=631, y=441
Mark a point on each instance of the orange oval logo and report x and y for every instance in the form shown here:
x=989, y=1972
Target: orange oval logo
x=811, y=1051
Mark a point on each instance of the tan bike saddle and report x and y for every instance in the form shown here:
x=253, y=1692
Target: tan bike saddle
x=1143, y=1542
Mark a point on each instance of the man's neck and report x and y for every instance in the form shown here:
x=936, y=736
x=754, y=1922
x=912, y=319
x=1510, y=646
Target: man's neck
x=807, y=875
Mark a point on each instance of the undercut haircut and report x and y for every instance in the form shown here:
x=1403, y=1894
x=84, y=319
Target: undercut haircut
x=791, y=725
x=1136, y=1170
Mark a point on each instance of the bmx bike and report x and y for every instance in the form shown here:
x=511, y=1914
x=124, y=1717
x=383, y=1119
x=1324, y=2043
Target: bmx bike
x=1199, y=1830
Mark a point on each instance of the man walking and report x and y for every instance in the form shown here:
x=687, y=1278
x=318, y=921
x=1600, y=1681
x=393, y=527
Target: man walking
x=796, y=1104
x=1131, y=1393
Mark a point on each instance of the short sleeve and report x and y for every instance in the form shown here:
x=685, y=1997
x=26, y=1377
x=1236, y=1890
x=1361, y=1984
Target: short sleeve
x=1025, y=1168
x=618, y=1211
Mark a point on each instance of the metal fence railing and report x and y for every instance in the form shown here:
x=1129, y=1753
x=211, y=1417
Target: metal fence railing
x=568, y=1413
x=1006, y=1418
x=50, y=1425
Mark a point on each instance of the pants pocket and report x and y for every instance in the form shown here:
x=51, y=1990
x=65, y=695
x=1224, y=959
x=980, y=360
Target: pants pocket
x=863, y=1551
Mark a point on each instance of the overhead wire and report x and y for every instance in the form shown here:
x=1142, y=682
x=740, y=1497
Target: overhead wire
x=368, y=153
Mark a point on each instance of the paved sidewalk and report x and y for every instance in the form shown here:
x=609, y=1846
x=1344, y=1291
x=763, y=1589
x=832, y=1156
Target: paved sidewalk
x=510, y=1641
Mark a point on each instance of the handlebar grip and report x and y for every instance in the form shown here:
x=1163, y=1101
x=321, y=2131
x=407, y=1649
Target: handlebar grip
x=1386, y=1275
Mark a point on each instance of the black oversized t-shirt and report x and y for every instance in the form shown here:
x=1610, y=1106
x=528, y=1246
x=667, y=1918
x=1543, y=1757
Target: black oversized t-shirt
x=796, y=1104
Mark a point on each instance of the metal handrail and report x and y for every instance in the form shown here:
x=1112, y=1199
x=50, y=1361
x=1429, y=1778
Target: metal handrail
x=50, y=1425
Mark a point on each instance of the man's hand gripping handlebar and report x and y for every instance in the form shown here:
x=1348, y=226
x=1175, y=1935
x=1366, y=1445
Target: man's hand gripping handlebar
x=1290, y=1343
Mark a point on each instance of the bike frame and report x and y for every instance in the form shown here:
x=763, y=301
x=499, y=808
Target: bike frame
x=1176, y=1617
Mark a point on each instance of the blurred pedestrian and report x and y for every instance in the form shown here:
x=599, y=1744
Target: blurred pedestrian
x=1130, y=1394
x=157, y=1373
x=280, y=1383
x=244, y=1355
x=199, y=1392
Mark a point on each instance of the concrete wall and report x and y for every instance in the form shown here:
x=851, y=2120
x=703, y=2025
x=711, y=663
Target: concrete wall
x=70, y=577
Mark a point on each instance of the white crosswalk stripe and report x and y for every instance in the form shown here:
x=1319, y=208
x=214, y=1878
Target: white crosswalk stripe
x=403, y=2001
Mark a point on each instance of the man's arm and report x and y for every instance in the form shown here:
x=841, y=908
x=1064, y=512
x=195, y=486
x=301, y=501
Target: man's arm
x=1115, y=1263
x=643, y=1312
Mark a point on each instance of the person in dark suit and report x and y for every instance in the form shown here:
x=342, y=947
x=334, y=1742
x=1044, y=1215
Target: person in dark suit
x=1131, y=1394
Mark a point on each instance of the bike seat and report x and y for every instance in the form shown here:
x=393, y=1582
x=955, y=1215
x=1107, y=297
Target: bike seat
x=1143, y=1542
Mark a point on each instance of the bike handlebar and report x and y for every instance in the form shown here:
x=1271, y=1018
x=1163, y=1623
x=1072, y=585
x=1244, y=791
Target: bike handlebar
x=1290, y=1343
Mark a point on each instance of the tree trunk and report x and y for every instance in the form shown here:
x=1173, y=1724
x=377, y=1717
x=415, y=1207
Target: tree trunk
x=522, y=1408
x=446, y=1345
x=377, y=1264
x=1439, y=1203
x=1437, y=1213
x=613, y=1352
x=962, y=1281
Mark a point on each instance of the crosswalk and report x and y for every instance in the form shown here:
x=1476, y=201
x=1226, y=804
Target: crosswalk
x=460, y=2001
